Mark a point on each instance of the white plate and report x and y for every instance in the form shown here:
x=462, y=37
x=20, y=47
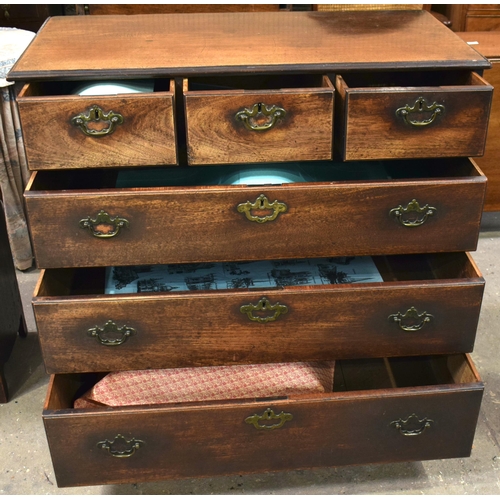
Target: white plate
x=257, y=176
x=115, y=87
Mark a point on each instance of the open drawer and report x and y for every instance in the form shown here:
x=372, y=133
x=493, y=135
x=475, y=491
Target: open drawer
x=63, y=129
x=411, y=115
x=199, y=214
x=380, y=410
x=426, y=304
x=255, y=119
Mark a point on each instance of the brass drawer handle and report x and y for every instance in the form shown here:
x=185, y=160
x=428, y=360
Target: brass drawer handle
x=252, y=120
x=420, y=106
x=262, y=203
x=400, y=213
x=104, y=226
x=110, y=334
x=121, y=447
x=414, y=321
x=96, y=114
x=264, y=305
x=412, y=426
x=269, y=415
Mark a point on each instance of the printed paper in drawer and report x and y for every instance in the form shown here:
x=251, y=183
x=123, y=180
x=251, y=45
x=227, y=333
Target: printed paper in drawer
x=231, y=275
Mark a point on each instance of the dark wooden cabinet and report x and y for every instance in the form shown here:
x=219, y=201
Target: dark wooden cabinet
x=28, y=17
x=11, y=314
x=473, y=17
x=376, y=114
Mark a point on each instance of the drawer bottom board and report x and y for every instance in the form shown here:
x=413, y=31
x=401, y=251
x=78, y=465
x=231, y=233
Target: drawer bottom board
x=419, y=409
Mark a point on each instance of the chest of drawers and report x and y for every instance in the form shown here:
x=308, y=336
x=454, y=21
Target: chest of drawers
x=378, y=113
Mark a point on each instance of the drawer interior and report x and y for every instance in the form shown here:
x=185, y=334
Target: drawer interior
x=350, y=376
x=383, y=373
x=262, y=174
x=256, y=82
x=396, y=268
x=72, y=88
x=410, y=79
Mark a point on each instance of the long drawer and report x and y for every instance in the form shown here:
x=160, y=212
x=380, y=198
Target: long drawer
x=184, y=215
x=64, y=130
x=380, y=410
x=427, y=304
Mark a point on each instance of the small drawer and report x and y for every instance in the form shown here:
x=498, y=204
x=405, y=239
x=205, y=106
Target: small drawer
x=256, y=119
x=426, y=304
x=403, y=409
x=196, y=214
x=65, y=130
x=408, y=115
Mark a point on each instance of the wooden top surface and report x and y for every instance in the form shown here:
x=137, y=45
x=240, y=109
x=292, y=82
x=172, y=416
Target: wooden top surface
x=185, y=44
x=488, y=42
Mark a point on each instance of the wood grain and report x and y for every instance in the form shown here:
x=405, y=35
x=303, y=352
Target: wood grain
x=198, y=220
x=197, y=329
x=146, y=137
x=215, y=136
x=190, y=44
x=489, y=46
x=482, y=17
x=373, y=130
x=131, y=9
x=202, y=223
x=489, y=162
x=212, y=439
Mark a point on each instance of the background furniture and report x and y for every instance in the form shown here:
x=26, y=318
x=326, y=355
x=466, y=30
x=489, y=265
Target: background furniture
x=472, y=17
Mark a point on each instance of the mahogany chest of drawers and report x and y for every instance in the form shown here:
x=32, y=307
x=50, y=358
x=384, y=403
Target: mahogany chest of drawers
x=378, y=112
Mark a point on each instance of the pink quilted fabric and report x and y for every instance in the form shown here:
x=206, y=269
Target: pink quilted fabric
x=178, y=385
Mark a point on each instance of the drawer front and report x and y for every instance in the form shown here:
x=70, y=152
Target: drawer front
x=254, y=127
x=386, y=123
x=112, y=333
x=208, y=440
x=98, y=131
x=181, y=225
